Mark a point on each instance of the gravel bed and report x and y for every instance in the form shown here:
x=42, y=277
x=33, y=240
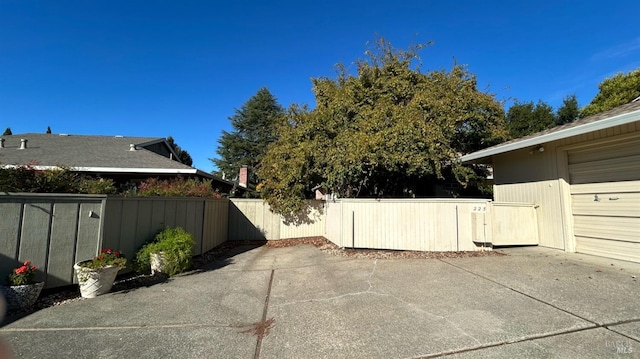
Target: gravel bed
x=131, y=281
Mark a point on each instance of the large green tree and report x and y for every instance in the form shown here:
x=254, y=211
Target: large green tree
x=524, y=118
x=380, y=132
x=614, y=91
x=254, y=128
x=183, y=155
x=569, y=111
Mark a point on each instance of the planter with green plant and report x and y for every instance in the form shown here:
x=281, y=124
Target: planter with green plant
x=96, y=276
x=170, y=252
x=22, y=290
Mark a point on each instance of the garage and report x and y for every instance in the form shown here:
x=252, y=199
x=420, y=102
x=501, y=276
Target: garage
x=584, y=178
x=605, y=197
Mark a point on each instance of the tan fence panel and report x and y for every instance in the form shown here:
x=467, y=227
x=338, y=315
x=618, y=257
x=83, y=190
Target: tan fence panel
x=251, y=219
x=514, y=224
x=312, y=225
x=411, y=224
x=216, y=222
x=52, y=231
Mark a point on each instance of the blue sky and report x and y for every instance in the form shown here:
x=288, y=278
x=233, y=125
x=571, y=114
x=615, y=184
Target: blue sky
x=181, y=68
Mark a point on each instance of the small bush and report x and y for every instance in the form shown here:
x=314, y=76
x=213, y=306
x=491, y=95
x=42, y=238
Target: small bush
x=177, y=187
x=176, y=246
x=90, y=185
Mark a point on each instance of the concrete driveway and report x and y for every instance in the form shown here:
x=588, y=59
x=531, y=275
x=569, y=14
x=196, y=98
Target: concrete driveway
x=299, y=302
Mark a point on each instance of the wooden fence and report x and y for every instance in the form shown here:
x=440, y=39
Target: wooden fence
x=396, y=224
x=56, y=231
x=251, y=219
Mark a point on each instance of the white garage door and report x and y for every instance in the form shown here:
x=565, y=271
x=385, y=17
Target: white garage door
x=605, y=193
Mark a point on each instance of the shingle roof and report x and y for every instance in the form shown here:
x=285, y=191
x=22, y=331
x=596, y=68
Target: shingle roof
x=620, y=115
x=81, y=151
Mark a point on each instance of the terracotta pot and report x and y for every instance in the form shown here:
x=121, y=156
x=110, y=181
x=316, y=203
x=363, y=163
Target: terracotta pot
x=21, y=297
x=95, y=282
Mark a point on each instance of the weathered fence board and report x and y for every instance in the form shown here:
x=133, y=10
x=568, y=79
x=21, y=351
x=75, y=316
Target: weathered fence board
x=55, y=231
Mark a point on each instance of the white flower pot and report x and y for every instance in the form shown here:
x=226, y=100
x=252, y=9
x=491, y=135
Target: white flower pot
x=158, y=263
x=94, y=282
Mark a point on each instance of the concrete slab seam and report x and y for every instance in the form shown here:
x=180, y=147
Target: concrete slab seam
x=163, y=326
x=521, y=292
x=264, y=316
x=531, y=338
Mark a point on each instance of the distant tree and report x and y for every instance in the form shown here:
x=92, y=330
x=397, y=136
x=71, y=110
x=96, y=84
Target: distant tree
x=254, y=128
x=7, y=132
x=526, y=118
x=569, y=111
x=183, y=155
x=614, y=91
x=48, y=130
x=382, y=132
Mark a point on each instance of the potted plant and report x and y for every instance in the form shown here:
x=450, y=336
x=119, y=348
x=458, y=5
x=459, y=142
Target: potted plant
x=170, y=252
x=22, y=290
x=96, y=276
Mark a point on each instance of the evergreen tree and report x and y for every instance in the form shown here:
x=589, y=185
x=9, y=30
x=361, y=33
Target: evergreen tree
x=569, y=111
x=7, y=132
x=254, y=128
x=183, y=155
x=48, y=130
x=526, y=118
x=615, y=91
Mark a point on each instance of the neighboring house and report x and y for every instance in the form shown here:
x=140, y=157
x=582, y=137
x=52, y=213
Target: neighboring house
x=124, y=159
x=585, y=176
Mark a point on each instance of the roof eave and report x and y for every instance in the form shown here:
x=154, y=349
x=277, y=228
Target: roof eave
x=554, y=136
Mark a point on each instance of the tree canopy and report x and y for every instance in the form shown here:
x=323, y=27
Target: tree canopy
x=524, y=118
x=7, y=132
x=254, y=128
x=614, y=91
x=183, y=155
x=380, y=131
x=569, y=111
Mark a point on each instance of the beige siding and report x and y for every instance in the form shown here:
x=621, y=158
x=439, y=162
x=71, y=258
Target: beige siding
x=543, y=178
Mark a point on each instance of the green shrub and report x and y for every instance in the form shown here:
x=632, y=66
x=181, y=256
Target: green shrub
x=177, y=187
x=28, y=179
x=176, y=246
x=92, y=185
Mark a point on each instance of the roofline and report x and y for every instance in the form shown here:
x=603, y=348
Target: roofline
x=554, y=136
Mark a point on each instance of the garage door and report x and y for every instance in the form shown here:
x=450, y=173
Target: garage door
x=605, y=193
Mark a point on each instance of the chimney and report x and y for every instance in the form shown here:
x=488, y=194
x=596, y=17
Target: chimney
x=23, y=143
x=243, y=178
x=132, y=147
x=1, y=142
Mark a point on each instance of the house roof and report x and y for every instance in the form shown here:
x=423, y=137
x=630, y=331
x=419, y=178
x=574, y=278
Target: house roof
x=620, y=115
x=102, y=154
